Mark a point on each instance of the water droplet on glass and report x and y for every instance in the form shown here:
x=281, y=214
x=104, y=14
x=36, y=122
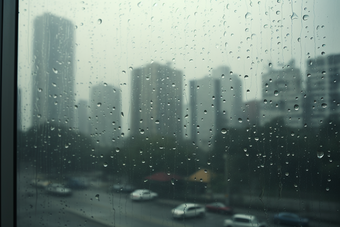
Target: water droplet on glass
x=248, y=15
x=305, y=17
x=55, y=70
x=276, y=92
x=324, y=105
x=100, y=21
x=270, y=65
x=223, y=131
x=97, y=197
x=240, y=120
x=294, y=16
x=320, y=154
x=296, y=107
x=105, y=164
x=99, y=104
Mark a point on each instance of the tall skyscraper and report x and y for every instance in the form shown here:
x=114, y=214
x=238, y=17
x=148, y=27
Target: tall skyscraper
x=53, y=75
x=156, y=106
x=215, y=103
x=83, y=117
x=105, y=122
x=230, y=96
x=203, y=111
x=323, y=89
x=282, y=96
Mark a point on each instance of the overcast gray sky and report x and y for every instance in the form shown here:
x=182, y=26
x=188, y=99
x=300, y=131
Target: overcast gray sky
x=113, y=37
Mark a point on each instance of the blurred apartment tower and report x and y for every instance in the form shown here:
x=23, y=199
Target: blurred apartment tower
x=203, y=111
x=229, y=96
x=105, y=111
x=53, y=97
x=83, y=117
x=252, y=112
x=282, y=96
x=215, y=103
x=156, y=105
x=323, y=89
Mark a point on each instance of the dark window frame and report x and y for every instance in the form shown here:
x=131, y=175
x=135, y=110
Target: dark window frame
x=9, y=45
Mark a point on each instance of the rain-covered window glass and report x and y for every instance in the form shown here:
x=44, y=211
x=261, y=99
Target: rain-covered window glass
x=178, y=113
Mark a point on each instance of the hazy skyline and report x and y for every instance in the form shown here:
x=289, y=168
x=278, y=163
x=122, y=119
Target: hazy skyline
x=195, y=37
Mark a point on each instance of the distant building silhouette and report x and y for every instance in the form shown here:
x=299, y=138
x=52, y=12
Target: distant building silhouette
x=203, y=112
x=230, y=96
x=252, y=112
x=105, y=107
x=323, y=89
x=156, y=105
x=282, y=96
x=215, y=103
x=83, y=117
x=53, y=76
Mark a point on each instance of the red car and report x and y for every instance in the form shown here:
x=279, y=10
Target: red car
x=219, y=208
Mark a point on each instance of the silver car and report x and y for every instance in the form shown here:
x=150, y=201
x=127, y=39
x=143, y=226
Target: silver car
x=187, y=210
x=243, y=220
x=143, y=194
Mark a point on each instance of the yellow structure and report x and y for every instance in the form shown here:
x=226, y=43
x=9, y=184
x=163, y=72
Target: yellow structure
x=202, y=175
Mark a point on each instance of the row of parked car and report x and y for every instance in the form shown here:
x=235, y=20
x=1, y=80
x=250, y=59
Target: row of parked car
x=189, y=210
x=61, y=189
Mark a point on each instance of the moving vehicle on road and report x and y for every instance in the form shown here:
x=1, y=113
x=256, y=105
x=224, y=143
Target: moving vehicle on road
x=143, y=194
x=243, y=220
x=286, y=218
x=58, y=189
x=40, y=183
x=119, y=187
x=218, y=207
x=187, y=210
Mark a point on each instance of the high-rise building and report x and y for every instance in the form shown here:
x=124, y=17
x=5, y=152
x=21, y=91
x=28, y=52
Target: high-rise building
x=156, y=105
x=323, y=89
x=215, y=103
x=105, y=122
x=53, y=75
x=203, y=111
x=282, y=96
x=83, y=117
x=230, y=95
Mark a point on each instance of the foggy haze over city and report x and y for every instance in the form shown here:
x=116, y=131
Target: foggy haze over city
x=229, y=102
x=111, y=40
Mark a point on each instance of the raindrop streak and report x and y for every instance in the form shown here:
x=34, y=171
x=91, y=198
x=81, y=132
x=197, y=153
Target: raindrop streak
x=320, y=154
x=294, y=16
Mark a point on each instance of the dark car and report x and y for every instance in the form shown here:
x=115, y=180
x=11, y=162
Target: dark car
x=291, y=219
x=77, y=183
x=127, y=188
x=219, y=208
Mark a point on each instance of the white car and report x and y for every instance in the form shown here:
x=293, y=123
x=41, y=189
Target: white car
x=58, y=189
x=243, y=220
x=187, y=210
x=143, y=194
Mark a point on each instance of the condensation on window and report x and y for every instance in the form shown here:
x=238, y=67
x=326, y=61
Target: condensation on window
x=145, y=113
